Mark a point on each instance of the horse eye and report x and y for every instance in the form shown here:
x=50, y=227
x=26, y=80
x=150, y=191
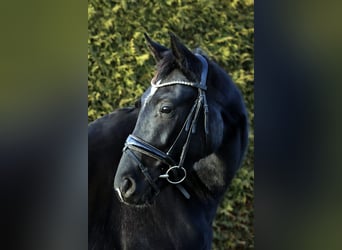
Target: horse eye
x=166, y=109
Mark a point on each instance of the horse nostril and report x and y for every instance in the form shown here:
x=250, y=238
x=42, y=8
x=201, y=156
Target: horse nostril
x=127, y=187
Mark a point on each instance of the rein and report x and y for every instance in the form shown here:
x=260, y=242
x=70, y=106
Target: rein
x=135, y=144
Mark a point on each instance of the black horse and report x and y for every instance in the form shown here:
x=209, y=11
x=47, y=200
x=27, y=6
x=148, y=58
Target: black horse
x=184, y=143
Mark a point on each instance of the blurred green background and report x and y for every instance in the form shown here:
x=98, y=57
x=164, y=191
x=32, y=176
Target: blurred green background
x=120, y=68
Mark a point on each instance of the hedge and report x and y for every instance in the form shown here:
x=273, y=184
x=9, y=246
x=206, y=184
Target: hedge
x=120, y=68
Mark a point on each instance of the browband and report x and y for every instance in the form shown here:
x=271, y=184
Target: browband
x=202, y=85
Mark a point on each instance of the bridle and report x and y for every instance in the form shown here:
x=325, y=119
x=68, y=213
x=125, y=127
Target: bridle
x=135, y=144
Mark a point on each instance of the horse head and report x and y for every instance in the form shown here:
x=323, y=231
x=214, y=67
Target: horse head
x=187, y=114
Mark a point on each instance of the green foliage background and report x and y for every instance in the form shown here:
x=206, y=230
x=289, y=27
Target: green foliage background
x=120, y=69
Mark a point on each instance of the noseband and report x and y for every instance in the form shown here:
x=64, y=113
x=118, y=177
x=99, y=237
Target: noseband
x=135, y=144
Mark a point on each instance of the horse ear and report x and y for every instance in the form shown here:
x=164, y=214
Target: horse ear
x=156, y=49
x=183, y=55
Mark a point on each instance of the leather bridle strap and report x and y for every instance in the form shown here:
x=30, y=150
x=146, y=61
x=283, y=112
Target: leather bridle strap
x=139, y=145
